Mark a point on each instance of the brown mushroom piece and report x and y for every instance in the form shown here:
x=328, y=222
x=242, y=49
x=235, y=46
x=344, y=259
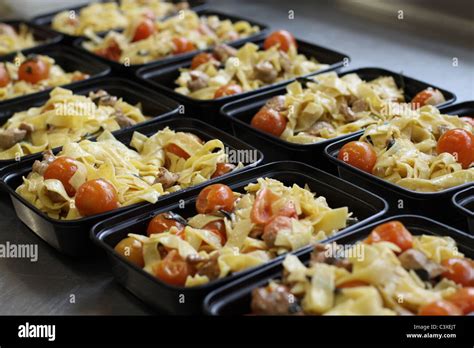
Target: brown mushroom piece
x=122, y=120
x=322, y=253
x=210, y=267
x=274, y=301
x=317, y=128
x=416, y=260
x=276, y=103
x=41, y=166
x=265, y=72
x=224, y=52
x=29, y=128
x=359, y=105
x=198, y=80
x=166, y=178
x=10, y=137
x=102, y=98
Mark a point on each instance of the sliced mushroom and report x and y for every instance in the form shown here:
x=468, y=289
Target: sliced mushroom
x=210, y=267
x=317, y=128
x=274, y=301
x=122, y=120
x=10, y=137
x=416, y=260
x=103, y=98
x=166, y=178
x=29, y=128
x=321, y=254
x=276, y=103
x=198, y=80
x=41, y=166
x=224, y=52
x=264, y=71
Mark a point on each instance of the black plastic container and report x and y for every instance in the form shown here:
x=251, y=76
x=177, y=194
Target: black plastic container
x=366, y=206
x=401, y=200
x=120, y=67
x=464, y=203
x=240, y=114
x=164, y=80
x=47, y=37
x=72, y=237
x=45, y=20
x=67, y=58
x=461, y=109
x=235, y=298
x=153, y=104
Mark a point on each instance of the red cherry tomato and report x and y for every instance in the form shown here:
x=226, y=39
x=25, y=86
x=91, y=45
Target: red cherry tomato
x=460, y=143
x=282, y=38
x=145, y=29
x=218, y=228
x=459, y=270
x=440, y=307
x=95, y=197
x=201, y=58
x=62, y=169
x=178, y=151
x=182, y=45
x=269, y=121
x=33, y=70
x=464, y=299
x=227, y=90
x=132, y=250
x=4, y=76
x=173, y=269
x=262, y=207
x=393, y=232
x=112, y=51
x=428, y=96
x=163, y=223
x=214, y=198
x=222, y=168
x=358, y=154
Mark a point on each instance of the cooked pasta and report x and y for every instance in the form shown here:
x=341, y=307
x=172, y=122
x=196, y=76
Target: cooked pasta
x=390, y=273
x=90, y=177
x=421, y=150
x=234, y=231
x=65, y=117
x=230, y=71
x=330, y=106
x=145, y=41
x=23, y=78
x=12, y=40
x=100, y=17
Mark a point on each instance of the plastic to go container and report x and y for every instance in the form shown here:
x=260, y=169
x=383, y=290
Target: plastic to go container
x=364, y=205
x=464, y=203
x=240, y=113
x=235, y=298
x=72, y=237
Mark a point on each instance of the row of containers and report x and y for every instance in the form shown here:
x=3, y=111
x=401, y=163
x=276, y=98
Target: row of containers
x=371, y=199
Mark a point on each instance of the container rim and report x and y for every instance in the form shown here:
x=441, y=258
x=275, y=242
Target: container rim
x=459, y=200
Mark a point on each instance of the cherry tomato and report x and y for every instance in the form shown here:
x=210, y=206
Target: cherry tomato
x=464, y=299
x=276, y=224
x=132, y=250
x=200, y=59
x=439, y=307
x=4, y=77
x=282, y=38
x=393, y=232
x=227, y=90
x=459, y=270
x=460, y=143
x=269, y=121
x=358, y=154
x=33, y=70
x=468, y=120
x=112, y=51
x=222, y=168
x=182, y=45
x=262, y=207
x=218, y=228
x=62, y=169
x=352, y=284
x=214, y=198
x=145, y=29
x=162, y=223
x=95, y=197
x=428, y=96
x=172, y=269
x=175, y=149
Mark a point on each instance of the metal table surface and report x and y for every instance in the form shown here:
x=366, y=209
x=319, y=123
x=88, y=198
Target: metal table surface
x=420, y=51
